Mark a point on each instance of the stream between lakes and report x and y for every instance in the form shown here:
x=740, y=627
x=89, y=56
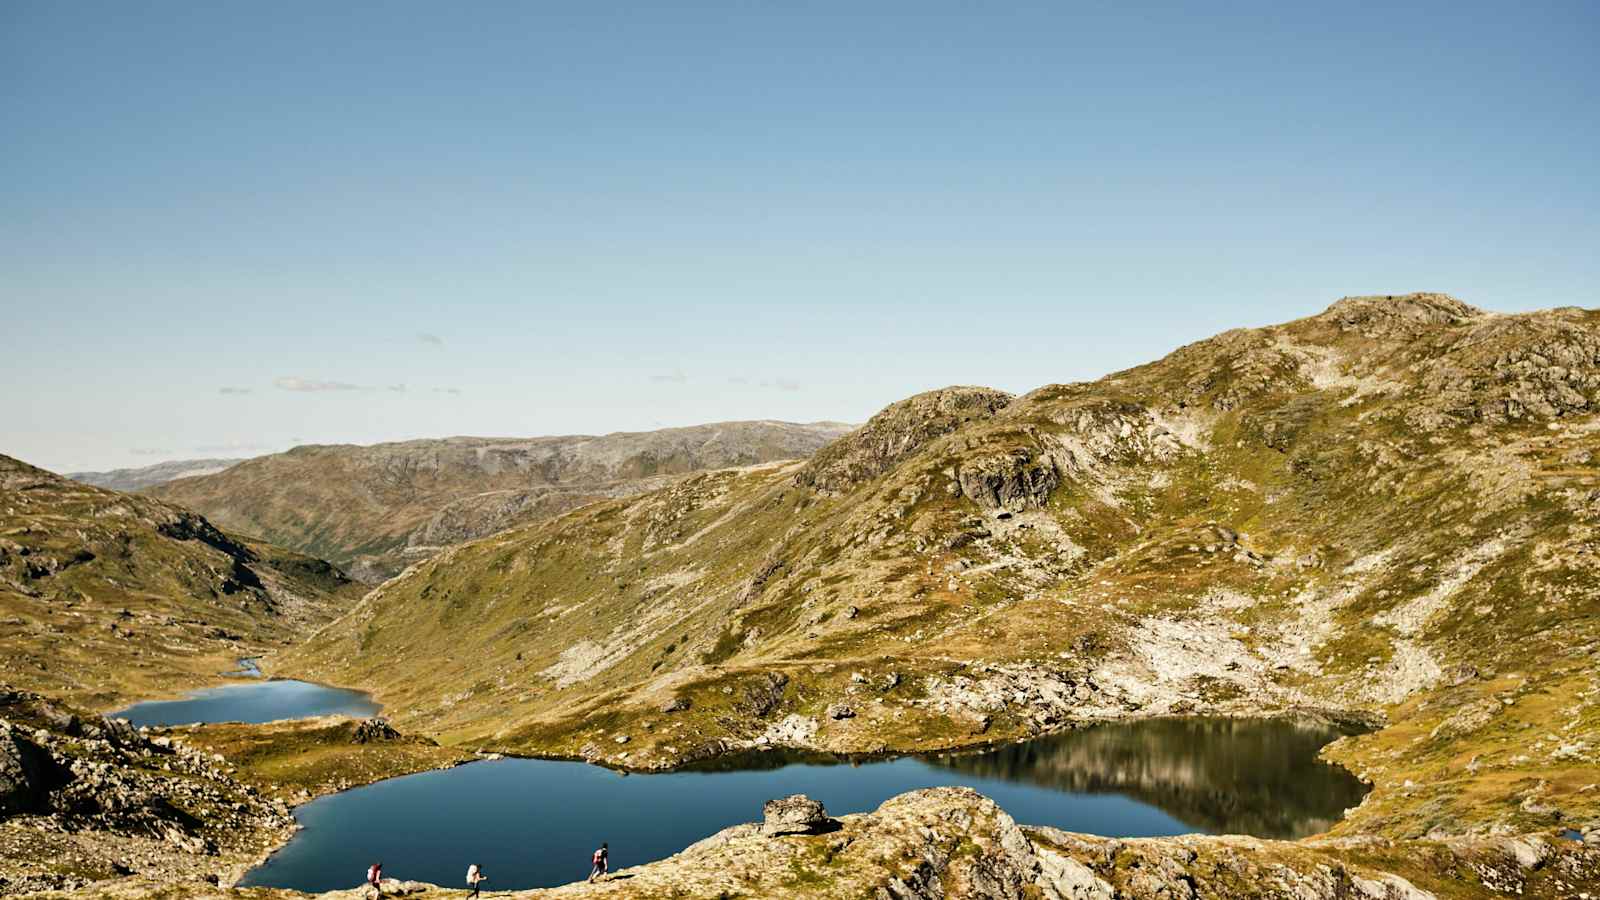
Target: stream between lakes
x=533, y=823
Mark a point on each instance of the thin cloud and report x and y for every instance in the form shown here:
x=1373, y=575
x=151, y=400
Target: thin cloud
x=771, y=384
x=150, y=451
x=676, y=377
x=311, y=385
x=233, y=390
x=431, y=339
x=447, y=391
x=398, y=388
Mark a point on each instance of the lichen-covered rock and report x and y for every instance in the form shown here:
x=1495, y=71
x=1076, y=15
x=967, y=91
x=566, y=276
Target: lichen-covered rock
x=795, y=814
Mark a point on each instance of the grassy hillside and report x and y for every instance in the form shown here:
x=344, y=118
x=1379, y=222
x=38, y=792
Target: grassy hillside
x=1386, y=513
x=106, y=596
x=374, y=510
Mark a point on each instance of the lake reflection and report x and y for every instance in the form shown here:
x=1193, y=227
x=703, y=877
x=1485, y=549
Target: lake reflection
x=1227, y=776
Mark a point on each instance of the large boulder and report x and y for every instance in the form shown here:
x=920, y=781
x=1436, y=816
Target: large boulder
x=795, y=814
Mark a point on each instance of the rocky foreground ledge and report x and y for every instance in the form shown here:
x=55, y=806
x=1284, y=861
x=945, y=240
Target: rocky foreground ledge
x=947, y=843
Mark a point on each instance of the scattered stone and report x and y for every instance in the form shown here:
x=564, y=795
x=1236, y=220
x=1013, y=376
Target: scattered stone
x=840, y=711
x=621, y=739
x=677, y=704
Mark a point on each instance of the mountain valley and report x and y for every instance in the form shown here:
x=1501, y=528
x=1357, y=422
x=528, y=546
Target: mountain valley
x=1382, y=519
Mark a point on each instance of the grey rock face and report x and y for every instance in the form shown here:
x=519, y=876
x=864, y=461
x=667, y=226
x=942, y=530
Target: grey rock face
x=1015, y=481
x=23, y=770
x=795, y=814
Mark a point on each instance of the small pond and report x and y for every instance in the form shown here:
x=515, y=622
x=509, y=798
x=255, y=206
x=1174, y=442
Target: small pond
x=257, y=701
x=533, y=823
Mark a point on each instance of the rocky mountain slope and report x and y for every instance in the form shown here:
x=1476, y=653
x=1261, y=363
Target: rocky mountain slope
x=106, y=596
x=150, y=476
x=1384, y=513
x=374, y=510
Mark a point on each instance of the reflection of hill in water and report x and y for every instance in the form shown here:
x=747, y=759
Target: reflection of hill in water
x=1244, y=776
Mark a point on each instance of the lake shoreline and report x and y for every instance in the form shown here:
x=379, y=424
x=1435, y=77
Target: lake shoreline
x=764, y=754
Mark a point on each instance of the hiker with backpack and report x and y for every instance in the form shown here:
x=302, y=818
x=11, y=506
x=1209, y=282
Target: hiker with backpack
x=601, y=857
x=375, y=878
x=475, y=877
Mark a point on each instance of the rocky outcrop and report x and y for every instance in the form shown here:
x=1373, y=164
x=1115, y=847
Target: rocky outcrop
x=109, y=800
x=24, y=773
x=1012, y=481
x=1400, y=316
x=897, y=432
x=373, y=730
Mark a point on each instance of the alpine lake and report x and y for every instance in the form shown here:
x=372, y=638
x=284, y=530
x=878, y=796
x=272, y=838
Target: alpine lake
x=533, y=822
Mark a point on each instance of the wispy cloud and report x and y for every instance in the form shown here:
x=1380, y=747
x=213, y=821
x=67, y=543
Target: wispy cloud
x=447, y=391
x=308, y=385
x=432, y=339
x=771, y=384
x=233, y=390
x=675, y=377
x=397, y=388
x=150, y=451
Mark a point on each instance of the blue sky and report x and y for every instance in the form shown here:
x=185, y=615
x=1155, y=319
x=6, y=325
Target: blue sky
x=228, y=227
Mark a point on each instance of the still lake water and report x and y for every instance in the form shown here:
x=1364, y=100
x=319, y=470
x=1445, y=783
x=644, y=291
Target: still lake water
x=264, y=701
x=533, y=823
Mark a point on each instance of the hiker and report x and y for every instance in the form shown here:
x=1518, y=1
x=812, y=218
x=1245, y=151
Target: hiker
x=600, y=858
x=475, y=877
x=375, y=877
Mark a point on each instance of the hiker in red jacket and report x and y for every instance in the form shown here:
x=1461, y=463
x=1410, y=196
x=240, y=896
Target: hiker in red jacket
x=601, y=857
x=375, y=878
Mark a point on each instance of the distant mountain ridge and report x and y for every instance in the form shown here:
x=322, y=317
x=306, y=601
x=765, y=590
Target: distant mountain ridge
x=376, y=509
x=142, y=477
